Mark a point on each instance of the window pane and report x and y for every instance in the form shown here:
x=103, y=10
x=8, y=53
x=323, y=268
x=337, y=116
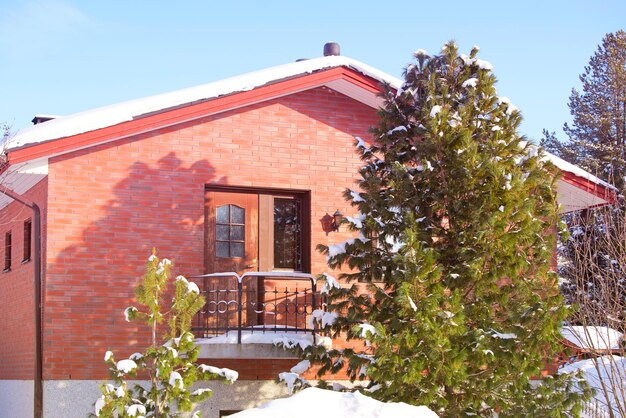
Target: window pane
x=27, y=239
x=237, y=249
x=287, y=234
x=221, y=249
x=222, y=214
x=230, y=231
x=237, y=233
x=7, y=251
x=238, y=214
x=221, y=232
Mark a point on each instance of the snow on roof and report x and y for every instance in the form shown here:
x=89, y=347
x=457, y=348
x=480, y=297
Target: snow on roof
x=63, y=126
x=593, y=337
x=315, y=403
x=563, y=165
x=111, y=115
x=45, y=116
x=603, y=373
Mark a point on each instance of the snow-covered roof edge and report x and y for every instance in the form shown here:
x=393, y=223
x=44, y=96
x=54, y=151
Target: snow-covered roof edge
x=563, y=165
x=63, y=126
x=121, y=112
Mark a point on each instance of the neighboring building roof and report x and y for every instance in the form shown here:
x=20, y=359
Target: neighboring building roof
x=574, y=169
x=593, y=338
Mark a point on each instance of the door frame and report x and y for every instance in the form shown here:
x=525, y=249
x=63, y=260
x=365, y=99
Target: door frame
x=303, y=195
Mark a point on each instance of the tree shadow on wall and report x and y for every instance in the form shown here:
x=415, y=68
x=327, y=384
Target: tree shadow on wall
x=92, y=281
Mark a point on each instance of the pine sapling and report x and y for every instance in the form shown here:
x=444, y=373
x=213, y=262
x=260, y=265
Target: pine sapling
x=170, y=367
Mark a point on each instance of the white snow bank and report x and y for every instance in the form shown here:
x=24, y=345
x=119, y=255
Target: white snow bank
x=315, y=403
x=288, y=338
x=590, y=337
x=609, y=369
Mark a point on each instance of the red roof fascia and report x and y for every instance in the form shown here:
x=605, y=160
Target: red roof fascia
x=194, y=111
x=590, y=187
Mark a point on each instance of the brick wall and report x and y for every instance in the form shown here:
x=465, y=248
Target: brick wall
x=268, y=369
x=109, y=205
x=17, y=326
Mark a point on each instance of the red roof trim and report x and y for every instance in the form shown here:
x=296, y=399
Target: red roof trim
x=589, y=186
x=173, y=116
x=194, y=111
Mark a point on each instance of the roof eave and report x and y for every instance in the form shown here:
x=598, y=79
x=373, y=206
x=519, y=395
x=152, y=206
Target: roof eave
x=179, y=114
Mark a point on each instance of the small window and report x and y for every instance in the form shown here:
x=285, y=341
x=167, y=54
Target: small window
x=7, y=251
x=28, y=229
x=287, y=234
x=230, y=231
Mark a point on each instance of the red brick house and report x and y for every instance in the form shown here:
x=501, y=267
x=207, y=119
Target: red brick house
x=200, y=174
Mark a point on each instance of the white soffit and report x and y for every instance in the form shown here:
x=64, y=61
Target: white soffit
x=22, y=177
x=572, y=198
x=357, y=93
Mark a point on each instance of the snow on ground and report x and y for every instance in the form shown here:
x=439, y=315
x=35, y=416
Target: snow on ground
x=592, y=337
x=609, y=369
x=315, y=403
x=269, y=336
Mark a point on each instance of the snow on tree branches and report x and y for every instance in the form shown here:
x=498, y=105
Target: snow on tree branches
x=455, y=241
x=170, y=367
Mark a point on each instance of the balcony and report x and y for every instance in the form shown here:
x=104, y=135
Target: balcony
x=257, y=308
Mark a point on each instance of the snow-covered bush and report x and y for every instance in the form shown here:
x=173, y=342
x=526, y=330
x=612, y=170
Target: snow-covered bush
x=170, y=367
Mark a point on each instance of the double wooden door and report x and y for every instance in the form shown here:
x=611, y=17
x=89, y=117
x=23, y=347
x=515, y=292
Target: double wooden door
x=252, y=231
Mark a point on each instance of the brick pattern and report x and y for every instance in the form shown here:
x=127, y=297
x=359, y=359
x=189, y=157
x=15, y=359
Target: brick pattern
x=109, y=205
x=17, y=326
x=268, y=369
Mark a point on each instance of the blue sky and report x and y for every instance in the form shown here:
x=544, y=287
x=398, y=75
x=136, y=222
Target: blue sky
x=64, y=56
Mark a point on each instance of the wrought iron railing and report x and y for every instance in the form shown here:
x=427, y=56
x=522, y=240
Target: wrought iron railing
x=256, y=302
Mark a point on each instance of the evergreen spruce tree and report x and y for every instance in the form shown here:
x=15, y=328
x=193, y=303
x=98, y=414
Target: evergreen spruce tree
x=170, y=367
x=597, y=138
x=456, y=234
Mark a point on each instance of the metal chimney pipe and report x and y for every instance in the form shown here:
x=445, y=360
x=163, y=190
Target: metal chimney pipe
x=332, y=49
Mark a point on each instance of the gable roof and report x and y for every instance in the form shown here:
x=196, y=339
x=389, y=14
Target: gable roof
x=29, y=149
x=106, y=116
